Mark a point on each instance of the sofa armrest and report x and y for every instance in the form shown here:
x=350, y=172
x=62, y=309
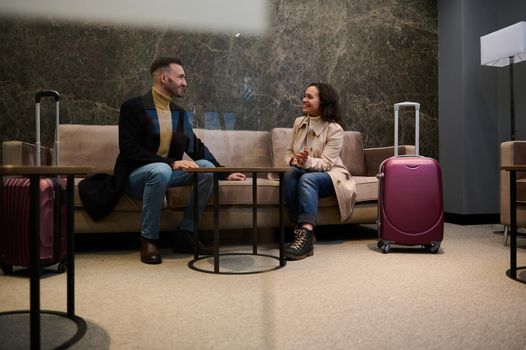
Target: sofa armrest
x=512, y=153
x=23, y=153
x=375, y=156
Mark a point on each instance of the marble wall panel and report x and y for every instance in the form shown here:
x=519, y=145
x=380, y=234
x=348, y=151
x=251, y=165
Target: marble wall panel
x=375, y=53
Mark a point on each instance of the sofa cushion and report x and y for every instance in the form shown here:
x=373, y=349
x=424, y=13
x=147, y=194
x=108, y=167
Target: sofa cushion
x=237, y=148
x=125, y=203
x=280, y=139
x=230, y=192
x=352, y=154
x=99, y=145
x=366, y=188
x=240, y=192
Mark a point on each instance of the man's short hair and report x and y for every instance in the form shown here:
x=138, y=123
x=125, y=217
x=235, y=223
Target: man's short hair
x=164, y=62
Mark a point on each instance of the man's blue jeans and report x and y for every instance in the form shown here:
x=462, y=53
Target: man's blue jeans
x=150, y=182
x=302, y=190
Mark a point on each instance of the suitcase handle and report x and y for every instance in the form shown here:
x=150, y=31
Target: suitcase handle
x=407, y=104
x=38, y=97
x=46, y=93
x=417, y=126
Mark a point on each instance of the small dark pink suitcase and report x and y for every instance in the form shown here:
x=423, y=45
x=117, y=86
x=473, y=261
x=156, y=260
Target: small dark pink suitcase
x=410, y=210
x=14, y=218
x=14, y=213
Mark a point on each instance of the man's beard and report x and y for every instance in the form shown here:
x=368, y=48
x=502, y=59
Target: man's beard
x=179, y=92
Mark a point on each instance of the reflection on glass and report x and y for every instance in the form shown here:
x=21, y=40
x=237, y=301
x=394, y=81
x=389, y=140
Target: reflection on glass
x=229, y=120
x=192, y=120
x=212, y=121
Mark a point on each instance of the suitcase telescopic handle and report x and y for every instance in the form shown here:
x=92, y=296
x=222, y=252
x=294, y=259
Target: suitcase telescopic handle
x=417, y=124
x=46, y=93
x=38, y=97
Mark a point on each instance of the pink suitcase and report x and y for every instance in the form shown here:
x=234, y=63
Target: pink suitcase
x=410, y=210
x=14, y=213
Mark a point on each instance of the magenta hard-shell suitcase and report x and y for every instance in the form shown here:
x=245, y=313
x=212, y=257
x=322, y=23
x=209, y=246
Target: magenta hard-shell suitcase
x=14, y=212
x=410, y=209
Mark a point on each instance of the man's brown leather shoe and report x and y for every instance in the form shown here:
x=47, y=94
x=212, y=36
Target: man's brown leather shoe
x=149, y=252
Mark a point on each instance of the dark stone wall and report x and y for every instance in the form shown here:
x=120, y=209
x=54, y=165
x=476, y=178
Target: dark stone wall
x=375, y=53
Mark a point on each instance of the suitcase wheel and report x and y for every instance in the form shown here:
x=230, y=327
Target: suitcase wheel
x=433, y=247
x=6, y=269
x=384, y=247
x=380, y=244
x=62, y=266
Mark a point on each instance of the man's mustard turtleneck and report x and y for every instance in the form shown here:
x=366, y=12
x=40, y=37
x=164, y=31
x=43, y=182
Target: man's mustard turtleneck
x=162, y=106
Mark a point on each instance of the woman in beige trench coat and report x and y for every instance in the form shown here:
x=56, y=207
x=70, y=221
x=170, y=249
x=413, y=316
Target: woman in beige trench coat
x=316, y=168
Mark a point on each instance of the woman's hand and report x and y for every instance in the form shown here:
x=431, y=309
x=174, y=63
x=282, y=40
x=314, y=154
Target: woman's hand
x=293, y=161
x=301, y=157
x=236, y=177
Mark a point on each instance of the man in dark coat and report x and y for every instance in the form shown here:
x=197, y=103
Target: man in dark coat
x=154, y=133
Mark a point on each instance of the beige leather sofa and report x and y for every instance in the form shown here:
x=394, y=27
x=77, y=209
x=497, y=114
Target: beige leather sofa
x=97, y=145
x=512, y=153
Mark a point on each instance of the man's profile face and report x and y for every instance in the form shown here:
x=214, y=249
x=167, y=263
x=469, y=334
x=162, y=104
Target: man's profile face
x=174, y=80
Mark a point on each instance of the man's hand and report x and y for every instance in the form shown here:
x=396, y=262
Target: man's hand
x=184, y=164
x=236, y=177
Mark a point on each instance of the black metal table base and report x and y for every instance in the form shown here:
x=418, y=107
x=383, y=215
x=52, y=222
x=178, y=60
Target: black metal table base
x=79, y=322
x=217, y=254
x=509, y=273
x=34, y=174
x=191, y=264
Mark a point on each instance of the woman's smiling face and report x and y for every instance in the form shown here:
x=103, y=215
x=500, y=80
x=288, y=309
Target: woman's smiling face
x=311, y=101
